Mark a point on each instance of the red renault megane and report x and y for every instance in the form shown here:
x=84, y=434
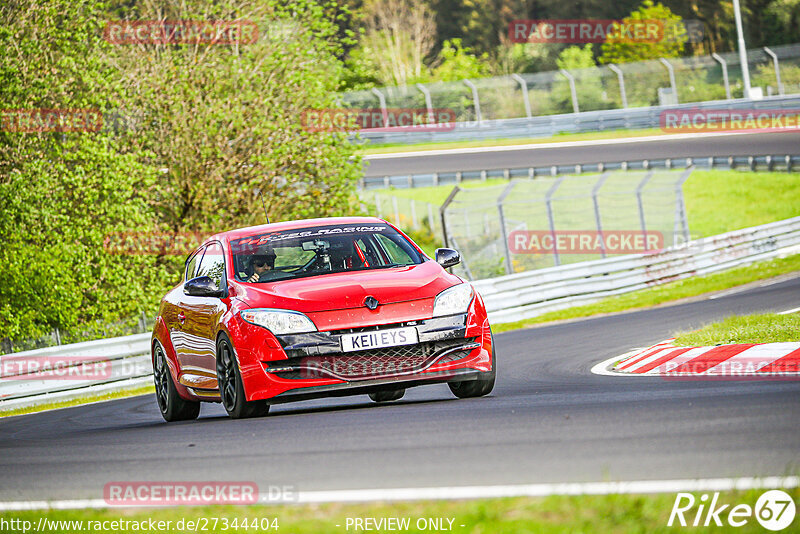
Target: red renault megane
x=314, y=308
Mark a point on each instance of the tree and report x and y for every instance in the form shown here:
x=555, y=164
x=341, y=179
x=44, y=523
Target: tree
x=400, y=35
x=620, y=48
x=576, y=57
x=204, y=126
x=64, y=192
x=222, y=120
x=459, y=63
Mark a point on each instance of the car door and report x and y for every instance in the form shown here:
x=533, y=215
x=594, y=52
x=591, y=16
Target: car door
x=202, y=315
x=173, y=312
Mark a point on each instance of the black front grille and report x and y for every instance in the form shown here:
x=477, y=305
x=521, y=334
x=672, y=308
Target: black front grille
x=370, y=363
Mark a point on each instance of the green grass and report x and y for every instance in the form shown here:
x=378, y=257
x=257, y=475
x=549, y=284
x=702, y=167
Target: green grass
x=672, y=291
x=392, y=148
x=756, y=328
x=134, y=392
x=555, y=514
x=720, y=201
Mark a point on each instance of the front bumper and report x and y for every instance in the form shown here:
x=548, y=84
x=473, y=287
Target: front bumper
x=314, y=365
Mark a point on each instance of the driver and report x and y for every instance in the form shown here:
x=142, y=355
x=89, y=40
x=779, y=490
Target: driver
x=262, y=264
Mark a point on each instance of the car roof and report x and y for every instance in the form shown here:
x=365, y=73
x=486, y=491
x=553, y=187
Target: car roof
x=290, y=225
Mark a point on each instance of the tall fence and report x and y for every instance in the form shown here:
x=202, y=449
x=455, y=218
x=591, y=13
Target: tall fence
x=610, y=96
x=525, y=295
x=533, y=224
x=774, y=71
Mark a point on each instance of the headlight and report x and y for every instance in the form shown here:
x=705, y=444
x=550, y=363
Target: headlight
x=453, y=300
x=280, y=321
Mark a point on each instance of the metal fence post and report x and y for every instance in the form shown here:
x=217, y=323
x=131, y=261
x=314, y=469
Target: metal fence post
x=524, y=87
x=672, y=83
x=681, y=204
x=443, y=210
x=639, y=189
x=621, y=79
x=384, y=112
x=475, y=100
x=597, y=219
x=774, y=57
x=503, y=233
x=572, y=90
x=396, y=211
x=724, y=65
x=378, y=210
x=428, y=101
x=431, y=219
x=551, y=218
x=414, y=214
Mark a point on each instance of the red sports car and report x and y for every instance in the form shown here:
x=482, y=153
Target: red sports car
x=322, y=307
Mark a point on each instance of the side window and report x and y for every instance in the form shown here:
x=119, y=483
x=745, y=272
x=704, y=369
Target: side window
x=191, y=264
x=213, y=264
x=396, y=253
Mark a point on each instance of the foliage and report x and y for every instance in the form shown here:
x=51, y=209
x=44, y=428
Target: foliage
x=621, y=49
x=398, y=36
x=459, y=63
x=576, y=57
x=203, y=126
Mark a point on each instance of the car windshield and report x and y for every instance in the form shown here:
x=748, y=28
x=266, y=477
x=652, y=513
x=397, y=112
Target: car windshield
x=289, y=254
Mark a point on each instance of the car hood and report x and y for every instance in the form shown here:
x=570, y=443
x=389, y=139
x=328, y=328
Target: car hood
x=340, y=291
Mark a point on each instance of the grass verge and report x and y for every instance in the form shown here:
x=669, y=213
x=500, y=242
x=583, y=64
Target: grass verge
x=690, y=287
x=144, y=390
x=557, y=514
x=391, y=148
x=756, y=328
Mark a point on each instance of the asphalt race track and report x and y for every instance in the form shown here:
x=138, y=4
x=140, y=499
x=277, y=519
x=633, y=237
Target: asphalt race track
x=548, y=420
x=738, y=144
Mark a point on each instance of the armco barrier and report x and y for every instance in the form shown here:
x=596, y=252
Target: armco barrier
x=588, y=121
x=508, y=298
x=127, y=359
x=767, y=162
x=525, y=295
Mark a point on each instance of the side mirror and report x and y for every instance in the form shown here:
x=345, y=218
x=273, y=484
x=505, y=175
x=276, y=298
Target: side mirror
x=447, y=257
x=202, y=286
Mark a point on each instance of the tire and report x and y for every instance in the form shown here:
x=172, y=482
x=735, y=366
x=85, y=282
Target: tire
x=476, y=388
x=387, y=396
x=172, y=406
x=231, y=389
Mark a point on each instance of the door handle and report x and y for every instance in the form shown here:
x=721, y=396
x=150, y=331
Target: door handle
x=181, y=317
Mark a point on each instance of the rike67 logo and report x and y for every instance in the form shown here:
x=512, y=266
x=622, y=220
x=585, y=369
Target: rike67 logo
x=774, y=510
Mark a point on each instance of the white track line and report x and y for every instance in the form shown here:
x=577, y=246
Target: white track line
x=473, y=492
x=604, y=368
x=564, y=144
x=740, y=289
x=789, y=311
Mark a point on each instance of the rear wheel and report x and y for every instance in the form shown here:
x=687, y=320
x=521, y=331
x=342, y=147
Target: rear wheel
x=475, y=388
x=172, y=406
x=231, y=389
x=387, y=396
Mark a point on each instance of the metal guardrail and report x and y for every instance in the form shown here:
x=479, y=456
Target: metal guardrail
x=588, y=121
x=508, y=298
x=525, y=295
x=69, y=368
x=770, y=162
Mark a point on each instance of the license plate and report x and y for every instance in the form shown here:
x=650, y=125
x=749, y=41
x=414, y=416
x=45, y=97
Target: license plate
x=379, y=339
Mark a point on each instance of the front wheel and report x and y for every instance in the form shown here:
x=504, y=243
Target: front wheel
x=172, y=406
x=231, y=389
x=476, y=388
x=387, y=396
